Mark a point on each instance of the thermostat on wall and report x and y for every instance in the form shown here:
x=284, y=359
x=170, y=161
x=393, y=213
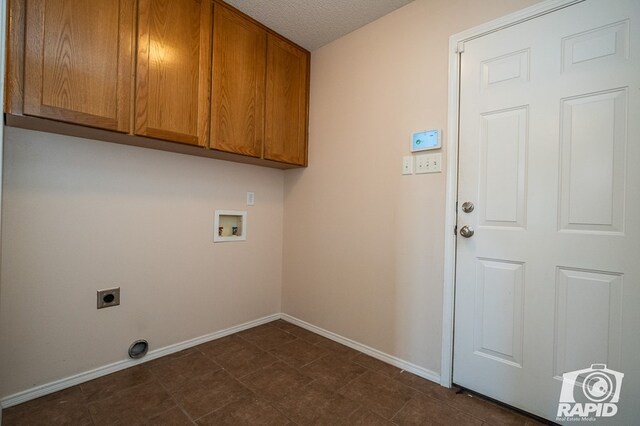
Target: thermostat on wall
x=428, y=139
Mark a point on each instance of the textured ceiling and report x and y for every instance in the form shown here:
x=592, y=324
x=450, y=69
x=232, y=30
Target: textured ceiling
x=314, y=23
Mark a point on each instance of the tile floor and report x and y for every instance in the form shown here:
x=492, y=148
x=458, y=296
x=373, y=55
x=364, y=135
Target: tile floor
x=274, y=374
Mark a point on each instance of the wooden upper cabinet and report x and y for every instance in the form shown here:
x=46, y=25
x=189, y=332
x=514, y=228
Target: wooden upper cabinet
x=173, y=71
x=197, y=72
x=77, y=61
x=237, y=105
x=286, y=102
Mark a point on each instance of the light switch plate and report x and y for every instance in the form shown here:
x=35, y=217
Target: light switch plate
x=407, y=165
x=436, y=163
x=428, y=163
x=423, y=163
x=251, y=198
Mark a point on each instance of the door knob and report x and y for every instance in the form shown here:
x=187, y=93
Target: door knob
x=466, y=231
x=467, y=207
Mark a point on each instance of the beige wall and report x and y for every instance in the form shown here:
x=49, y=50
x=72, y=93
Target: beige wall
x=363, y=245
x=82, y=215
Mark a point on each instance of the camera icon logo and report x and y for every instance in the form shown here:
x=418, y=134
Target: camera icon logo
x=591, y=392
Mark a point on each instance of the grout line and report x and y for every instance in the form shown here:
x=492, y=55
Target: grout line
x=231, y=402
x=401, y=408
x=358, y=406
x=310, y=362
x=352, y=380
x=157, y=415
x=177, y=404
x=258, y=369
x=272, y=404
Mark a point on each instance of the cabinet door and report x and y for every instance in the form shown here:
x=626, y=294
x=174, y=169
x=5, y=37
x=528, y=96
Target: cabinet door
x=237, y=106
x=286, y=102
x=78, y=61
x=173, y=70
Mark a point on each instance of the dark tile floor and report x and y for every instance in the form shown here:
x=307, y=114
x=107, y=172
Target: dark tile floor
x=274, y=374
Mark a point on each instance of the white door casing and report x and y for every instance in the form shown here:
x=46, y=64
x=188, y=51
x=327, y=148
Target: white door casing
x=549, y=141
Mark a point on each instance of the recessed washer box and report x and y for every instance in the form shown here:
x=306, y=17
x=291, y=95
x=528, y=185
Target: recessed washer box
x=230, y=225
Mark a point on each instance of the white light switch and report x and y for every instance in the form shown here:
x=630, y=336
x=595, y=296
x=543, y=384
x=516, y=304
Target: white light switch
x=436, y=163
x=407, y=165
x=422, y=163
x=428, y=163
x=251, y=198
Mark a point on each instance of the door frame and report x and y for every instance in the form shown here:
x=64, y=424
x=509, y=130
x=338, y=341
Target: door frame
x=456, y=47
x=4, y=19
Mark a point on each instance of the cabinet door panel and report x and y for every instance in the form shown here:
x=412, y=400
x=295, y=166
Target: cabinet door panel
x=78, y=56
x=237, y=106
x=286, y=102
x=173, y=70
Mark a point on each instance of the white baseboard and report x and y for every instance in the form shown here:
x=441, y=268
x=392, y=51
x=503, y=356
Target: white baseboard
x=57, y=385
x=389, y=359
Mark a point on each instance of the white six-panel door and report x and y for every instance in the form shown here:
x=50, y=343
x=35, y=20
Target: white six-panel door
x=549, y=155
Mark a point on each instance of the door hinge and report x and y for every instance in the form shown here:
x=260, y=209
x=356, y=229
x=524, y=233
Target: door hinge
x=455, y=230
x=460, y=47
